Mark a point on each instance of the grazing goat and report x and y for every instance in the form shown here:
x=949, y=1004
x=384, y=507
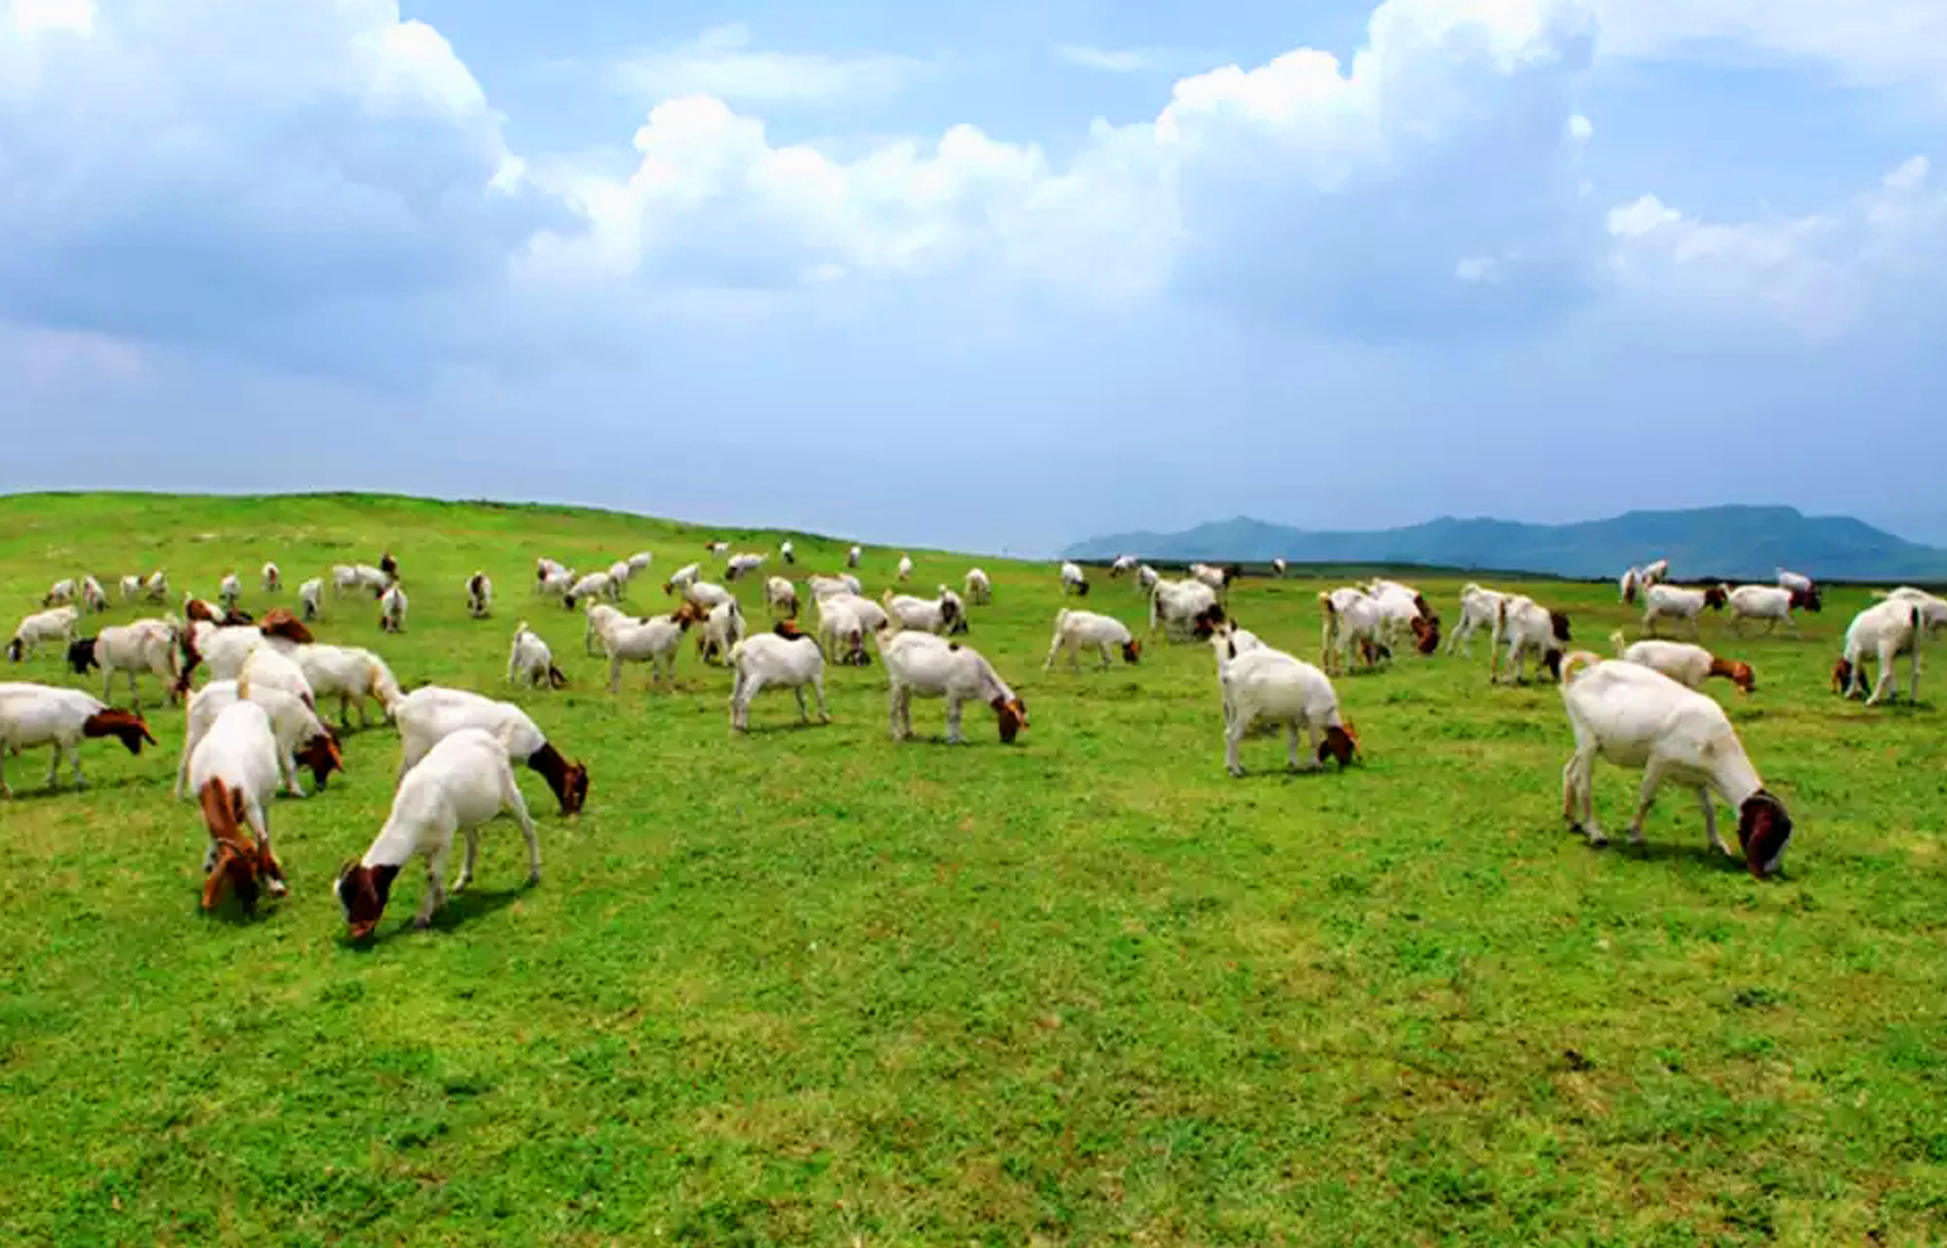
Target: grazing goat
x=923, y=665
x=234, y=770
x=1672, y=602
x=943, y=614
x=1217, y=578
x=1653, y=573
x=93, y=596
x=347, y=578
x=1265, y=684
x=464, y=781
x=1182, y=607
x=826, y=586
x=787, y=552
x=980, y=591
x=32, y=714
x=706, y=594
x=131, y=586
x=852, y=557
x=1770, y=603
x=905, y=568
x=392, y=609
x=722, y=628
x=155, y=587
x=592, y=586
x=229, y=590
x=1636, y=717
x=1628, y=585
x=717, y=549
x=389, y=566
x=741, y=564
x=1478, y=609
x=1079, y=630
x=1684, y=663
x=781, y=595
x=1073, y=580
x=600, y=615
x=351, y=675
x=43, y=627
x=61, y=593
x=639, y=563
x=1123, y=563
x=530, y=662
x=273, y=580
x=1882, y=633
x=1403, y=610
x=479, y=595
x=1933, y=610
x=431, y=712
x=144, y=646
x=1348, y=617
x=1529, y=629
x=1279, y=567
x=300, y=736
x=654, y=639
x=841, y=632
x=1793, y=580
x=310, y=597
x=783, y=657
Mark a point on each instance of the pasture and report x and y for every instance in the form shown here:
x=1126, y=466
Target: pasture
x=812, y=987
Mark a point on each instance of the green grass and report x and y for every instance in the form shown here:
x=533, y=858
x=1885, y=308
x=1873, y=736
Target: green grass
x=812, y=987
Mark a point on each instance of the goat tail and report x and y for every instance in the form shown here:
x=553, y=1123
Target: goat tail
x=1575, y=662
x=1619, y=641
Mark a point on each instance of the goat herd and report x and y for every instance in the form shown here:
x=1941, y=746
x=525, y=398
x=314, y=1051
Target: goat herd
x=257, y=718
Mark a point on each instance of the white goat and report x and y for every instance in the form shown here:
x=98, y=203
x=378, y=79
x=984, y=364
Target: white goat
x=234, y=771
x=347, y=578
x=923, y=665
x=93, y=596
x=300, y=736
x=1881, y=633
x=1073, y=579
x=479, y=595
x=143, y=646
x=41, y=628
x=1673, y=602
x=1528, y=629
x=464, y=782
x=1123, y=563
x=905, y=568
x=310, y=597
x=787, y=552
x=722, y=628
x=33, y=714
x=786, y=658
x=1933, y=609
x=980, y=591
x=1478, y=608
x=1348, y=617
x=931, y=615
x=841, y=632
x=1265, y=684
x=654, y=639
x=781, y=595
x=530, y=662
x=600, y=615
x=1793, y=580
x=351, y=675
x=156, y=586
x=593, y=585
x=392, y=609
x=61, y=593
x=131, y=586
x=547, y=570
x=1180, y=607
x=273, y=580
x=852, y=557
x=741, y=564
x=1076, y=631
x=639, y=563
x=1770, y=603
x=432, y=712
x=229, y=590
x=1684, y=663
x=1636, y=717
x=826, y=586
x=707, y=594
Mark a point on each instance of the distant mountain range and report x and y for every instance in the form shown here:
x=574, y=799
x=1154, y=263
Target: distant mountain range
x=1739, y=543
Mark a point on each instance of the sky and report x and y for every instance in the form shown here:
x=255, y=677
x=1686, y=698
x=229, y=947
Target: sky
x=994, y=277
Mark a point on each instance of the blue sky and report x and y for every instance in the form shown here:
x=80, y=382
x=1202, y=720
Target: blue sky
x=994, y=277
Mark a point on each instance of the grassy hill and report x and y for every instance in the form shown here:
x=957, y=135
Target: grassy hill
x=1744, y=543
x=811, y=986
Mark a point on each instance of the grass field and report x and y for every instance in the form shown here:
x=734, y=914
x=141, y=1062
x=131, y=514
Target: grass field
x=811, y=987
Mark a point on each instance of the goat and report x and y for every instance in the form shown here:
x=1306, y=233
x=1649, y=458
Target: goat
x=1265, y=684
x=841, y=632
x=1881, y=633
x=143, y=646
x=1079, y=630
x=1073, y=580
x=787, y=552
x=1478, y=609
x=310, y=597
x=33, y=714
x=1672, y=602
x=93, y=596
x=1529, y=628
x=655, y=639
x=530, y=662
x=781, y=595
x=1636, y=717
x=431, y=712
x=852, y=557
x=722, y=628
x=299, y=734
x=479, y=595
x=923, y=665
x=464, y=781
x=932, y=615
x=228, y=590
x=53, y=626
x=61, y=593
x=392, y=609
x=1794, y=580
x=1123, y=563
x=233, y=770
x=1770, y=603
x=1349, y=616
x=905, y=568
x=1180, y=607
x=783, y=657
x=741, y=564
x=273, y=580
x=1688, y=665
x=351, y=675
x=980, y=591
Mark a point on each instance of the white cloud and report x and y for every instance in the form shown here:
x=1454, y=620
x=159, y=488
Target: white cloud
x=34, y=16
x=721, y=63
x=1865, y=43
x=1816, y=275
x=1109, y=60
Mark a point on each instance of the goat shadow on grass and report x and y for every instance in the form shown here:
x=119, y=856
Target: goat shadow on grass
x=1670, y=851
x=65, y=788
x=460, y=908
x=795, y=725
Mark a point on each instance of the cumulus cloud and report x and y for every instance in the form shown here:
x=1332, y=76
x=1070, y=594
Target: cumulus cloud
x=720, y=62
